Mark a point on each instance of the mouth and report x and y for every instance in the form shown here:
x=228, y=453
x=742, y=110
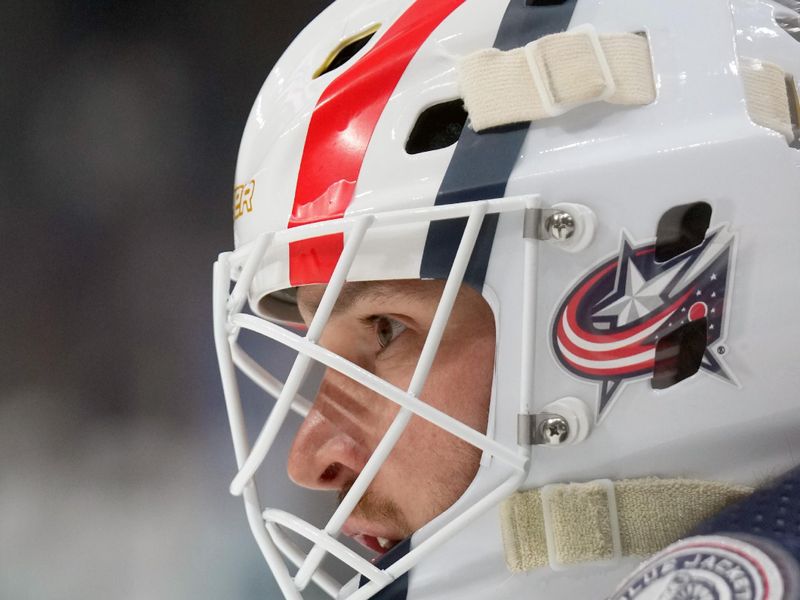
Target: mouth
x=380, y=545
x=379, y=539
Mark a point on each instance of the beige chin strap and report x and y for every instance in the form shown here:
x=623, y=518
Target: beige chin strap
x=562, y=71
x=563, y=525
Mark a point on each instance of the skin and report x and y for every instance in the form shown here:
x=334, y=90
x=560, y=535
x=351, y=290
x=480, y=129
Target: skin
x=381, y=327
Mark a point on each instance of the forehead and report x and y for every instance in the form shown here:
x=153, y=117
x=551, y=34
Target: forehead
x=372, y=292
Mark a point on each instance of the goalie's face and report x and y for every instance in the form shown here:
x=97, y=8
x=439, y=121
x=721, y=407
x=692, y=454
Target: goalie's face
x=381, y=327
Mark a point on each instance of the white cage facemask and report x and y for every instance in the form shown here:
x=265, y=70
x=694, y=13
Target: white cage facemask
x=269, y=525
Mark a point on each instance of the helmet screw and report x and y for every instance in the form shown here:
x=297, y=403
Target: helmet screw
x=554, y=430
x=560, y=225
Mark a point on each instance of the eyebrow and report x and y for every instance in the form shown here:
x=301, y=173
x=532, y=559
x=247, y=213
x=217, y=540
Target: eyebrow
x=362, y=291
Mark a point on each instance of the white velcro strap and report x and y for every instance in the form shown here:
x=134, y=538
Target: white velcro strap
x=555, y=74
x=562, y=525
x=767, y=95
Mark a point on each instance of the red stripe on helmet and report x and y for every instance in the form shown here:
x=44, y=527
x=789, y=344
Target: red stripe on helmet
x=640, y=368
x=340, y=131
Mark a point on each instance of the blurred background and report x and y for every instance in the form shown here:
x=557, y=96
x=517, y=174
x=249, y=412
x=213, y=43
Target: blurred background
x=120, y=126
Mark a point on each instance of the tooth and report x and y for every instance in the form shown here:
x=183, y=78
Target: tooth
x=384, y=543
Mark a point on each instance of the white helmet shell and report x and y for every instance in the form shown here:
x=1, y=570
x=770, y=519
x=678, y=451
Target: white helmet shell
x=686, y=218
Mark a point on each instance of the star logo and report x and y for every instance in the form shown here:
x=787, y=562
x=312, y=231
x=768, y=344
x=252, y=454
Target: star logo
x=639, y=296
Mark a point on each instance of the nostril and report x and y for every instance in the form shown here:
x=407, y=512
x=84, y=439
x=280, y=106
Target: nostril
x=331, y=473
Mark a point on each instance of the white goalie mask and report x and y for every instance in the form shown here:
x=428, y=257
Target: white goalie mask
x=619, y=182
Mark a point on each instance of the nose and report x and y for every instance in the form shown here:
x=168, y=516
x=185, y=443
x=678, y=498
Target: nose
x=329, y=449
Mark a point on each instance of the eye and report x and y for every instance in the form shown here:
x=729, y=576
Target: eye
x=387, y=329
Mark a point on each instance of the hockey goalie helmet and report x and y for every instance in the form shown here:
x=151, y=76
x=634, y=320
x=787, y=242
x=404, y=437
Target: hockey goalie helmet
x=617, y=180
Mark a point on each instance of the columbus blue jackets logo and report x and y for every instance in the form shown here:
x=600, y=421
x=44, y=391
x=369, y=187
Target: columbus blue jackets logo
x=608, y=328
x=709, y=567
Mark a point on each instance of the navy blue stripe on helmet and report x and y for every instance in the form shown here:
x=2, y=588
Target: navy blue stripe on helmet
x=479, y=170
x=482, y=162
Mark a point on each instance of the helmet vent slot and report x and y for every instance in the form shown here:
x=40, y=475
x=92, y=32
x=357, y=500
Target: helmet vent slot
x=681, y=228
x=345, y=50
x=437, y=127
x=679, y=354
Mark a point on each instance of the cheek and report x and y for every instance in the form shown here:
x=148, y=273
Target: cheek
x=397, y=363
x=430, y=468
x=459, y=384
x=461, y=381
